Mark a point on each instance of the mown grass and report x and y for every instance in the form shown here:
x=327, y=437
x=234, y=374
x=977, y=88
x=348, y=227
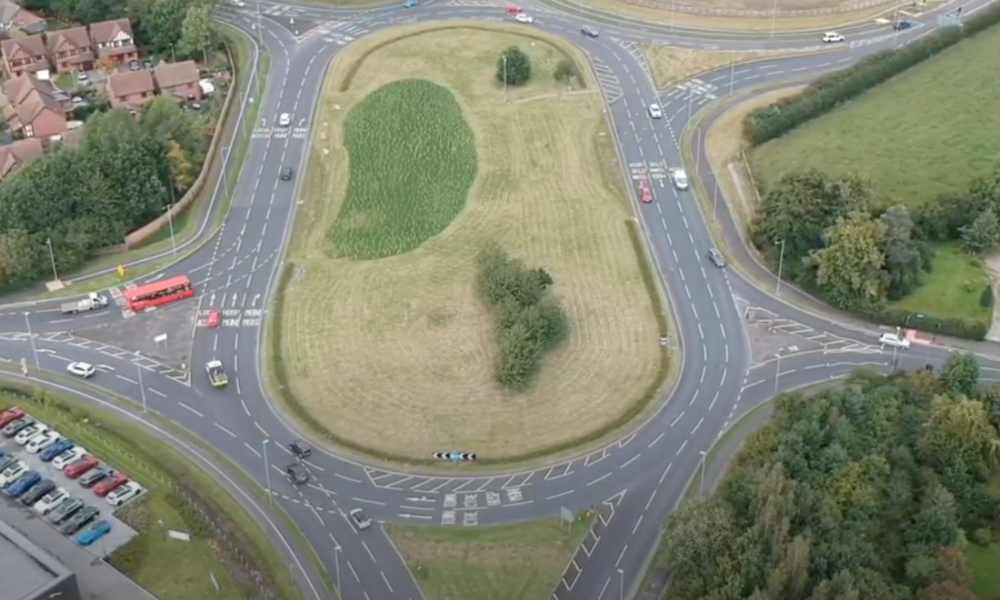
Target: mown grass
x=953, y=288
x=509, y=562
x=413, y=160
x=922, y=134
x=169, y=569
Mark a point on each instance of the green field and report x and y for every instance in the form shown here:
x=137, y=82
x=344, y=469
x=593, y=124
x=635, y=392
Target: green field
x=509, y=562
x=953, y=288
x=413, y=160
x=924, y=133
x=168, y=568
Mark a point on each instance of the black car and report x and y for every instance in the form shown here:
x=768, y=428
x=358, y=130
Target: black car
x=11, y=429
x=37, y=491
x=902, y=25
x=297, y=473
x=63, y=512
x=91, y=477
x=300, y=449
x=286, y=173
x=79, y=520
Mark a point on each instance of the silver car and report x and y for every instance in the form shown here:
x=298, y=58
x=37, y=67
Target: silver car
x=589, y=31
x=360, y=520
x=679, y=177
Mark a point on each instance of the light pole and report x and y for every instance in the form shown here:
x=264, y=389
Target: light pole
x=31, y=338
x=781, y=263
x=715, y=199
x=673, y=7
x=505, y=78
x=52, y=256
x=336, y=562
x=732, y=74
x=225, y=176
x=690, y=102
x=621, y=584
x=142, y=388
x=267, y=473
x=774, y=16
x=701, y=485
x=777, y=374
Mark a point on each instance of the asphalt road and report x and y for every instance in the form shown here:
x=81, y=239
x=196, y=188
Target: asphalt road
x=637, y=480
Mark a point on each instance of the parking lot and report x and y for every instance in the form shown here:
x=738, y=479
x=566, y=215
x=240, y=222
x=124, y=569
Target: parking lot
x=119, y=534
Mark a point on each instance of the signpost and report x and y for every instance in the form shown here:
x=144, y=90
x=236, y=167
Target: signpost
x=566, y=517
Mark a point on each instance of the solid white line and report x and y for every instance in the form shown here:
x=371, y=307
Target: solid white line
x=226, y=430
x=191, y=409
x=157, y=392
x=252, y=449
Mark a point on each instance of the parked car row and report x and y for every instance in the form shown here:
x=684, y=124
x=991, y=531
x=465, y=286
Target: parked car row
x=71, y=515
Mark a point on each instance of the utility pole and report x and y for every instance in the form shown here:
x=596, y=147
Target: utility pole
x=31, y=338
x=781, y=263
x=52, y=256
x=505, y=78
x=701, y=485
x=170, y=219
x=142, y=388
x=267, y=473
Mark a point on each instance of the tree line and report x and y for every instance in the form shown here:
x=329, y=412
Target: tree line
x=866, y=491
x=529, y=321
x=124, y=173
x=859, y=249
x=167, y=27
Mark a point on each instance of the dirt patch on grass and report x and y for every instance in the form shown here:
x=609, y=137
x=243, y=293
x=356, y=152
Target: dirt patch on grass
x=670, y=65
x=511, y=562
x=397, y=354
x=724, y=147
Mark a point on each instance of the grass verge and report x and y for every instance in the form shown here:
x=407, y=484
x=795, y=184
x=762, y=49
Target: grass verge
x=403, y=341
x=507, y=562
x=953, y=288
x=670, y=65
x=227, y=542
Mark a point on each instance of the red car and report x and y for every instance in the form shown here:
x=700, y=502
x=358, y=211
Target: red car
x=110, y=484
x=80, y=466
x=214, y=319
x=11, y=414
x=644, y=191
x=513, y=10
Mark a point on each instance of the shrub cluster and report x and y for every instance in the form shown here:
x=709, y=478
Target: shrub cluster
x=827, y=93
x=514, y=67
x=529, y=321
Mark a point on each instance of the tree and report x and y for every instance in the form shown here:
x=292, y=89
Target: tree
x=960, y=373
x=983, y=234
x=513, y=67
x=849, y=268
x=92, y=11
x=163, y=25
x=105, y=65
x=905, y=257
x=198, y=33
x=22, y=255
x=565, y=70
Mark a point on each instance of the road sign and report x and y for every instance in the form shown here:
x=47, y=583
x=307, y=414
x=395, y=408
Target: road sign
x=566, y=516
x=121, y=271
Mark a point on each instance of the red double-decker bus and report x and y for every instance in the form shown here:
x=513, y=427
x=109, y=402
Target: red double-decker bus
x=159, y=292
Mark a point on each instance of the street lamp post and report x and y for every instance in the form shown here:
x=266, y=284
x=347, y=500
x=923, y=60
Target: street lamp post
x=732, y=74
x=142, y=388
x=504, y=78
x=267, y=473
x=777, y=374
x=336, y=562
x=621, y=584
x=701, y=485
x=781, y=263
x=52, y=257
x=774, y=16
x=31, y=338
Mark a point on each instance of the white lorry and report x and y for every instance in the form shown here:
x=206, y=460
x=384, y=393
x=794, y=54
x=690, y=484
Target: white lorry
x=216, y=373
x=93, y=301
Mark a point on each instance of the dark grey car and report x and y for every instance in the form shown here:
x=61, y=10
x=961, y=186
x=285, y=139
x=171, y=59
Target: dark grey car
x=37, y=491
x=297, y=473
x=91, y=477
x=65, y=510
x=11, y=429
x=7, y=461
x=286, y=174
x=79, y=520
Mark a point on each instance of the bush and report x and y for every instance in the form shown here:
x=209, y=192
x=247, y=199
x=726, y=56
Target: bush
x=827, y=93
x=964, y=328
x=513, y=67
x=565, y=70
x=529, y=322
x=982, y=536
x=986, y=298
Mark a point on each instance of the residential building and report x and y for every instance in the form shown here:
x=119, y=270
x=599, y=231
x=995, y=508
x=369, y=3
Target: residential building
x=113, y=41
x=73, y=137
x=15, y=18
x=179, y=80
x=70, y=50
x=24, y=55
x=130, y=89
x=16, y=155
x=35, y=108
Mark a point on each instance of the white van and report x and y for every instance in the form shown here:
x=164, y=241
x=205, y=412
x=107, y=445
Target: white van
x=891, y=339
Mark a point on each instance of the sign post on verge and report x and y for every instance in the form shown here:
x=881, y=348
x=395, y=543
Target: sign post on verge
x=566, y=517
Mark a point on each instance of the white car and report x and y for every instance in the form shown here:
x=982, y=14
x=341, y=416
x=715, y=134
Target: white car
x=12, y=473
x=68, y=456
x=679, y=177
x=81, y=369
x=891, y=339
x=285, y=120
x=41, y=442
x=655, y=112
x=25, y=435
x=125, y=493
x=50, y=501
x=523, y=18
x=832, y=37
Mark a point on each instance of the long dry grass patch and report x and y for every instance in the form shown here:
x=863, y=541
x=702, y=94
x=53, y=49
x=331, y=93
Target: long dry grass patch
x=397, y=354
x=670, y=65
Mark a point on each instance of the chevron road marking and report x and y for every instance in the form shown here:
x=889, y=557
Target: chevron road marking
x=607, y=80
x=571, y=574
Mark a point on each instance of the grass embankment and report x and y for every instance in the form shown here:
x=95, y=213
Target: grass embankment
x=227, y=542
x=509, y=562
x=916, y=137
x=395, y=356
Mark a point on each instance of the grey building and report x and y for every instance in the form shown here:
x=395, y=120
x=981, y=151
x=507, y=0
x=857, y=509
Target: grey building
x=28, y=572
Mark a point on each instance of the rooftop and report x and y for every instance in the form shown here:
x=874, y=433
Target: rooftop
x=25, y=569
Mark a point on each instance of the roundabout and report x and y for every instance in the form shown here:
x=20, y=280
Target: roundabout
x=636, y=480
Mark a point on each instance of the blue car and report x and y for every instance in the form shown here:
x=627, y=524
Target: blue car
x=409, y=3
x=23, y=484
x=93, y=533
x=55, y=450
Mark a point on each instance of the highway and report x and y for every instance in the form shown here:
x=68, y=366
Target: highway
x=637, y=480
